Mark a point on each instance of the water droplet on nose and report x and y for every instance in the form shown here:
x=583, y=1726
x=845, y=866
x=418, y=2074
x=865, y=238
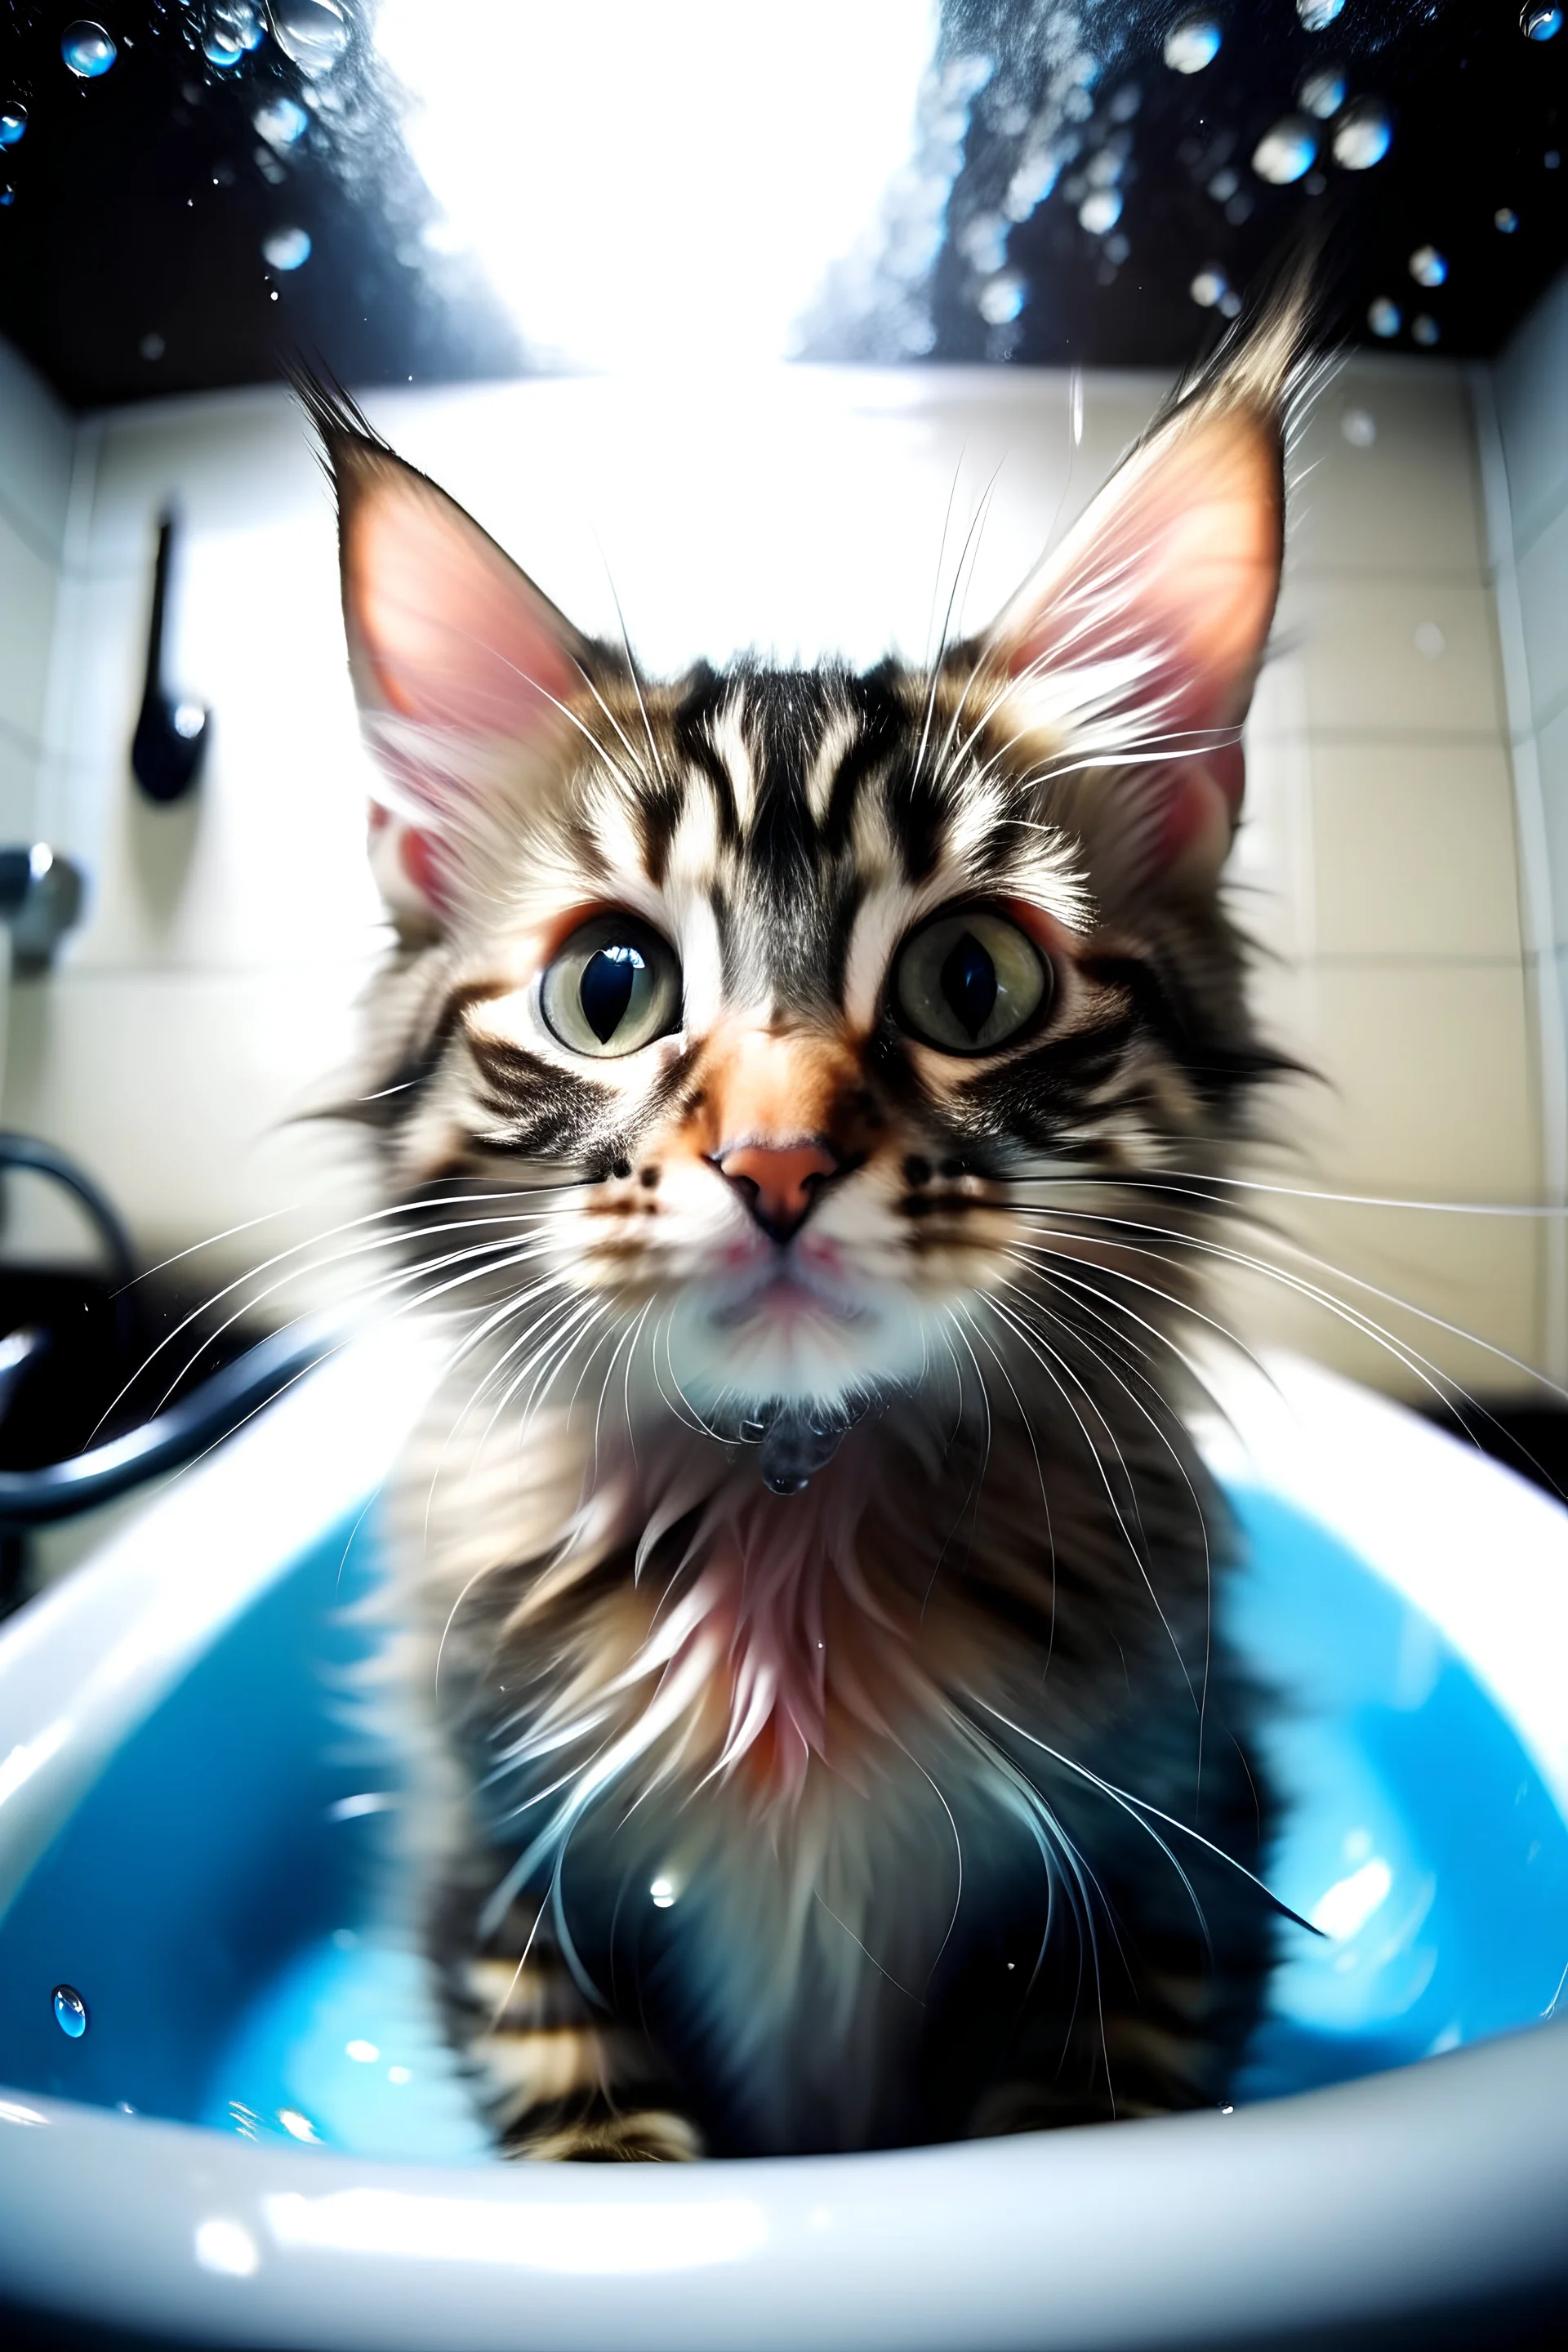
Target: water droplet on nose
x=1287, y=152
x=13, y=123
x=1363, y=135
x=1428, y=266
x=70, y=2011
x=87, y=49
x=1316, y=15
x=282, y=122
x=1324, y=92
x=1192, y=44
x=1384, y=318
x=1425, y=330
x=287, y=248
x=312, y=32
x=1506, y=219
x=1209, y=287
x=1541, y=24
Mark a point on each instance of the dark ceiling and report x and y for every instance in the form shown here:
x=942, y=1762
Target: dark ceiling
x=1092, y=200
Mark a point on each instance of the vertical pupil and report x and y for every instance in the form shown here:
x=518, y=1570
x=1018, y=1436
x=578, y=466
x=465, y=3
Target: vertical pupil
x=969, y=983
x=606, y=988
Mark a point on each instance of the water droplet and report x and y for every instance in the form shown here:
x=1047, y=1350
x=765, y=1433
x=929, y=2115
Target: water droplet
x=152, y=347
x=1317, y=15
x=287, y=248
x=1224, y=185
x=312, y=32
x=189, y=719
x=663, y=1893
x=1287, y=152
x=1541, y=24
x=1240, y=208
x=87, y=49
x=1324, y=92
x=1551, y=159
x=1002, y=298
x=1384, y=318
x=1506, y=219
x=1430, y=642
x=364, y=2053
x=7, y=194
x=1230, y=306
x=1425, y=330
x=1192, y=44
x=1359, y=428
x=1117, y=248
x=1363, y=135
x=13, y=123
x=70, y=2011
x=282, y=122
x=1126, y=102
x=1100, y=210
x=221, y=44
x=1209, y=287
x=1428, y=266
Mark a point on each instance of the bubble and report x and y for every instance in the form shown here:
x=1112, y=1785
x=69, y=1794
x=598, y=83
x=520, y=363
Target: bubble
x=282, y=122
x=1363, y=135
x=1317, y=15
x=87, y=49
x=1192, y=44
x=1287, y=152
x=1359, y=428
x=13, y=123
x=152, y=347
x=1002, y=298
x=287, y=248
x=1384, y=318
x=1209, y=287
x=70, y=2011
x=1428, y=266
x=1425, y=330
x=1541, y=24
x=1323, y=93
x=312, y=32
x=1505, y=218
x=1100, y=210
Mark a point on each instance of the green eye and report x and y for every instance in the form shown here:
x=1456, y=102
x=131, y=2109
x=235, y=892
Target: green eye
x=614, y=986
x=969, y=982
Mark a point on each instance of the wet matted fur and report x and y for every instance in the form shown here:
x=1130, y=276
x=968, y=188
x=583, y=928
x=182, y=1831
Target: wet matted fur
x=805, y=1093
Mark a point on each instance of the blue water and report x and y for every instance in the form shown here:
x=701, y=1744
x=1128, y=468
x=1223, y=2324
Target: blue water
x=211, y=1899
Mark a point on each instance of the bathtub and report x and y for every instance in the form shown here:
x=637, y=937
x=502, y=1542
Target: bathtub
x=226, y=2116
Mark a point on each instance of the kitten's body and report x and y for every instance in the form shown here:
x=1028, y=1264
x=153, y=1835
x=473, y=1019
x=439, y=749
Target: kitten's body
x=913, y=1802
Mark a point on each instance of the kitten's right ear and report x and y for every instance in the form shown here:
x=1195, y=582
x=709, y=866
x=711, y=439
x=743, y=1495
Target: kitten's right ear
x=453, y=652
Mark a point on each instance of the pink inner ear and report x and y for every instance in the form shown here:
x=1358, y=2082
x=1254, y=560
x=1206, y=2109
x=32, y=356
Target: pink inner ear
x=445, y=629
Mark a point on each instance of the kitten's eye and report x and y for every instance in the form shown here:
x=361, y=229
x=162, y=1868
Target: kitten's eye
x=969, y=980
x=615, y=985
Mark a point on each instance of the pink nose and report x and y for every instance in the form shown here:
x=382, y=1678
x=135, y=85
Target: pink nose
x=778, y=1183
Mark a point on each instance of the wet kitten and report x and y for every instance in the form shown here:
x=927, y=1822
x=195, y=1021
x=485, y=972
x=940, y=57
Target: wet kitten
x=805, y=1086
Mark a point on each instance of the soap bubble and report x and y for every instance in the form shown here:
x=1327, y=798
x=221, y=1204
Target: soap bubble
x=1541, y=24
x=1284, y=153
x=1317, y=15
x=13, y=123
x=1002, y=298
x=312, y=32
x=87, y=49
x=282, y=123
x=1425, y=330
x=1192, y=44
x=1323, y=93
x=1100, y=210
x=287, y=248
x=1209, y=287
x=1363, y=135
x=1428, y=266
x=1384, y=318
x=70, y=2011
x=1505, y=218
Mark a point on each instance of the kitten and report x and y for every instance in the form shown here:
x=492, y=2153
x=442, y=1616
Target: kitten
x=808, y=1085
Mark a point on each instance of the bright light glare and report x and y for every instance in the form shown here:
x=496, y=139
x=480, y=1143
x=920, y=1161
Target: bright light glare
x=228, y=2248
x=1350, y=1901
x=647, y=186
x=607, y=2237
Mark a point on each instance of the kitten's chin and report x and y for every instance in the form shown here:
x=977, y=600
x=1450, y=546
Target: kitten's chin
x=778, y=1343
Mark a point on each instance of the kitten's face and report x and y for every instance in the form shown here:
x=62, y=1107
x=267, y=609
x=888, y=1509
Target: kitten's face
x=794, y=989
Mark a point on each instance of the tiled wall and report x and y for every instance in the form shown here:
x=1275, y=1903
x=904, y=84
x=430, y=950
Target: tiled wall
x=214, y=981
x=36, y=446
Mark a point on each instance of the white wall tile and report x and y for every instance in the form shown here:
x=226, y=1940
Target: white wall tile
x=1414, y=851
x=1543, y=600
x=36, y=446
x=1552, y=747
x=1407, y=500
x=1530, y=379
x=18, y=786
x=26, y=623
x=1360, y=639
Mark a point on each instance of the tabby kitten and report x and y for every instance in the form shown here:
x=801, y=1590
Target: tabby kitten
x=809, y=1088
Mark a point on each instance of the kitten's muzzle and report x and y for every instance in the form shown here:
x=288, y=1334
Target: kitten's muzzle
x=780, y=1183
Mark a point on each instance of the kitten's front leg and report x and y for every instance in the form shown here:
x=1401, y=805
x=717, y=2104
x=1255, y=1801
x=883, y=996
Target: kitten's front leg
x=560, y=2082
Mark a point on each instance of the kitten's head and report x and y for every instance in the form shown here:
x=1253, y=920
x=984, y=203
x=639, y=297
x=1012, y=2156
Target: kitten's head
x=787, y=998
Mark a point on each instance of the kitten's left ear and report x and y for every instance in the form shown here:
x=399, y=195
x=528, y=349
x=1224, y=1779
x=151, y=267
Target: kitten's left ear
x=1136, y=648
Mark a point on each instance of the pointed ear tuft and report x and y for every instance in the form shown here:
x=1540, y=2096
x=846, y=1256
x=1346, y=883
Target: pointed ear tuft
x=1136, y=646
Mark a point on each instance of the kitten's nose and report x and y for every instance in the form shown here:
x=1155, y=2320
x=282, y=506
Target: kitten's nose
x=780, y=1183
